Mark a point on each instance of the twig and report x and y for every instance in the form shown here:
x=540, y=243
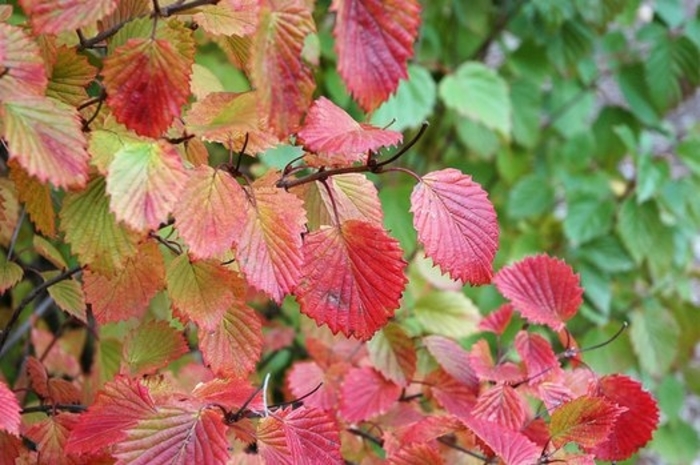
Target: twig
x=15, y=233
x=451, y=445
x=50, y=408
x=366, y=435
x=166, y=11
x=30, y=297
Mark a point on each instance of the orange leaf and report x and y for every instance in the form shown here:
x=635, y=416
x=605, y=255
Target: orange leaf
x=284, y=81
x=51, y=435
x=70, y=75
x=148, y=81
x=36, y=198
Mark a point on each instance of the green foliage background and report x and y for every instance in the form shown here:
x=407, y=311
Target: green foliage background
x=579, y=119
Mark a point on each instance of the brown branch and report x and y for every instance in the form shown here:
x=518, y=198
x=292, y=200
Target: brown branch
x=454, y=446
x=30, y=297
x=366, y=435
x=50, y=408
x=178, y=7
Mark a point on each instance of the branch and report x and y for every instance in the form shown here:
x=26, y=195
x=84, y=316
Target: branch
x=174, y=8
x=365, y=435
x=454, y=446
x=30, y=297
x=50, y=408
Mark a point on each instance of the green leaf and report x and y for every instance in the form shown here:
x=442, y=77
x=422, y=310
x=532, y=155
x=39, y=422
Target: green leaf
x=10, y=274
x=395, y=198
x=651, y=174
x=689, y=153
x=676, y=442
x=597, y=287
x=527, y=100
x=151, y=346
x=607, y=254
x=671, y=395
x=671, y=11
x=631, y=80
x=588, y=218
x=641, y=230
x=478, y=138
x=68, y=295
x=479, y=93
x=411, y=105
x=612, y=358
x=654, y=333
x=531, y=196
x=447, y=313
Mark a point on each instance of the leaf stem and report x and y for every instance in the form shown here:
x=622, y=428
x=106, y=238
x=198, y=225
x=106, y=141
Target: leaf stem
x=569, y=353
x=30, y=297
x=407, y=147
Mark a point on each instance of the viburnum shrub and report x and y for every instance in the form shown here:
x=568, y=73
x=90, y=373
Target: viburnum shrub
x=177, y=276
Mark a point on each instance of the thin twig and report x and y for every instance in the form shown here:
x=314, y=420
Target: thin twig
x=15, y=233
x=75, y=408
x=366, y=435
x=166, y=11
x=451, y=445
x=30, y=297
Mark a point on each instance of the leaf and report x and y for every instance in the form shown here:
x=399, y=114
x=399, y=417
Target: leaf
x=148, y=81
x=353, y=278
x=641, y=229
x=588, y=218
x=54, y=16
x=304, y=377
x=586, y=420
x=228, y=117
x=126, y=293
x=53, y=390
x=412, y=104
x=354, y=195
x=455, y=396
x=92, y=230
x=10, y=448
x=175, y=434
x=481, y=361
x=543, y=289
x=233, y=348
x=634, y=427
x=269, y=248
x=10, y=274
x=453, y=359
x=538, y=356
x=503, y=405
x=447, y=313
x=365, y=394
x=498, y=320
x=479, y=93
x=393, y=354
x=36, y=197
x=9, y=211
x=369, y=33
x=654, y=334
x=117, y=407
x=144, y=182
x=210, y=214
x=513, y=447
x=21, y=58
x=301, y=436
x=201, y=290
x=68, y=295
x=45, y=137
x=50, y=436
x=229, y=17
x=151, y=346
x=70, y=75
x=416, y=454
x=338, y=139
x=456, y=224
x=10, y=418
x=284, y=82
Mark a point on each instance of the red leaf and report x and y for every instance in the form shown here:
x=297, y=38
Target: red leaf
x=202, y=290
x=304, y=377
x=353, y=278
x=456, y=397
x=51, y=435
x=148, y=81
x=502, y=405
x=543, y=289
x=21, y=59
x=145, y=182
x=513, y=447
x=416, y=454
x=10, y=448
x=538, y=356
x=633, y=428
x=10, y=418
x=45, y=136
x=269, y=249
x=117, y=407
x=301, y=436
x=586, y=420
x=456, y=224
x=210, y=213
x=53, y=390
x=230, y=393
x=393, y=354
x=340, y=140
x=481, y=361
x=453, y=359
x=428, y=428
x=374, y=40
x=279, y=74
x=54, y=16
x=175, y=435
x=366, y=394
x=127, y=292
x=498, y=320
x=233, y=347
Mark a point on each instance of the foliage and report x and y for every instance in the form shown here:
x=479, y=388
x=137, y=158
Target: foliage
x=214, y=241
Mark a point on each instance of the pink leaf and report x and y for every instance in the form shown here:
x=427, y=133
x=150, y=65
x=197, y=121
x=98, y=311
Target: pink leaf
x=304, y=377
x=366, y=394
x=269, y=248
x=21, y=59
x=301, y=436
x=501, y=404
x=453, y=359
x=175, y=435
x=498, y=320
x=456, y=224
x=210, y=213
x=331, y=133
x=353, y=278
x=54, y=16
x=50, y=436
x=416, y=454
x=10, y=418
x=634, y=427
x=513, y=447
x=538, y=356
x=543, y=289
x=456, y=397
x=374, y=40
x=481, y=361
